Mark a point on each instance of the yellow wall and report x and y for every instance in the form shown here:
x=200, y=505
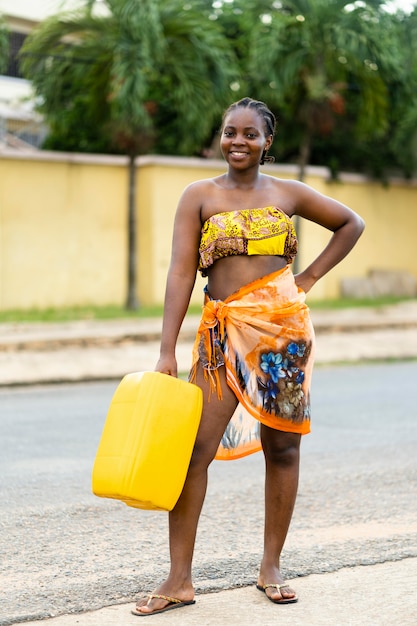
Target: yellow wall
x=388, y=242
x=63, y=227
x=62, y=232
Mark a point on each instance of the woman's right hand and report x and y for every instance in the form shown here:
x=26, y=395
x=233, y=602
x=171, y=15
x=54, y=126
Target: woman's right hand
x=167, y=365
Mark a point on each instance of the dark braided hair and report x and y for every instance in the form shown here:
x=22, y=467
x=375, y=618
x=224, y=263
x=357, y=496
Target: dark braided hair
x=262, y=110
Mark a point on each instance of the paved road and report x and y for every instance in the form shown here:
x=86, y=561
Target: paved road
x=65, y=551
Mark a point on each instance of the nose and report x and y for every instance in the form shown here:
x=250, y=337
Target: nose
x=238, y=140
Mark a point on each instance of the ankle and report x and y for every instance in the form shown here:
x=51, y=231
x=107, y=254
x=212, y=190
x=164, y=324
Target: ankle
x=182, y=583
x=269, y=563
x=269, y=572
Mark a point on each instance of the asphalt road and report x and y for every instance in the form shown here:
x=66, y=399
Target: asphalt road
x=64, y=550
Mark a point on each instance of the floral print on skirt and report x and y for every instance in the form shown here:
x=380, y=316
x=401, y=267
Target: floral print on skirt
x=264, y=336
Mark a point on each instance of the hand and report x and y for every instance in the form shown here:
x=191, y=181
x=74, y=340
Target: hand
x=304, y=281
x=167, y=365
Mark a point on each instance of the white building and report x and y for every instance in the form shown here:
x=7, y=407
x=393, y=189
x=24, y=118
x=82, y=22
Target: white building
x=20, y=125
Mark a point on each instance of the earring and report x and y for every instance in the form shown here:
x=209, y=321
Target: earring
x=266, y=159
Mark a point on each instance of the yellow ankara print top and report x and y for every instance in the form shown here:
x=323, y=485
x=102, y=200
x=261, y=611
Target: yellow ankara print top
x=265, y=231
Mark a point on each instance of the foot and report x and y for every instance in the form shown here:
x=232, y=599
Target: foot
x=160, y=600
x=276, y=589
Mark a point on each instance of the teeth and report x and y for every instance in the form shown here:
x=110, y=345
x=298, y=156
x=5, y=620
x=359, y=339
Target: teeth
x=238, y=153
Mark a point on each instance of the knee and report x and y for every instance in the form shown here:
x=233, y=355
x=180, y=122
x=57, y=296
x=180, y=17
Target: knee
x=202, y=455
x=282, y=451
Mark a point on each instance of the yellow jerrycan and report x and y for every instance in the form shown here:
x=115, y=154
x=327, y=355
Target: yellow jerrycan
x=147, y=441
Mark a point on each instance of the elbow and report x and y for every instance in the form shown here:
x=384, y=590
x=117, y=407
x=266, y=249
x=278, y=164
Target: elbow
x=358, y=225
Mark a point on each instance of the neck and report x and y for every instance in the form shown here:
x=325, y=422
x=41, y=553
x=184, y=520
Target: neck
x=247, y=179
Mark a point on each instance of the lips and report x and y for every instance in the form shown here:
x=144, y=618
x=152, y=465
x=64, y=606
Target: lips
x=238, y=154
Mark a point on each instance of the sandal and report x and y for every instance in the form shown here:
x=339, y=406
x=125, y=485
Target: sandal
x=278, y=588
x=173, y=603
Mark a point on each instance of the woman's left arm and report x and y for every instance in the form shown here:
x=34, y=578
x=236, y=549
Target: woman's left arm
x=346, y=225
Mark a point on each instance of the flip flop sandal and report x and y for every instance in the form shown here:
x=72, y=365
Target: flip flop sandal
x=174, y=603
x=278, y=587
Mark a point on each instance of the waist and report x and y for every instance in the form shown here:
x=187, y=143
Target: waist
x=230, y=274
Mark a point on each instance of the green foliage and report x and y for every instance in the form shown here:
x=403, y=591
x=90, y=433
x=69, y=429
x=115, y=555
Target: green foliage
x=154, y=76
x=392, y=148
x=194, y=82
x=124, y=69
x=402, y=136
x=313, y=61
x=4, y=45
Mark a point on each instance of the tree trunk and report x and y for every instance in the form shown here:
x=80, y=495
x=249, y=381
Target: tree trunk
x=132, y=302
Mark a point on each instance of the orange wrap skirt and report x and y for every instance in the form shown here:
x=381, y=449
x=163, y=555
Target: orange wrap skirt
x=264, y=337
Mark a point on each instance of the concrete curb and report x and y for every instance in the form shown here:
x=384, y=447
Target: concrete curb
x=106, y=350
x=363, y=595
x=88, y=333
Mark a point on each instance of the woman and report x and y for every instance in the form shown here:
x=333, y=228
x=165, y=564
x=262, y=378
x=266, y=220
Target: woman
x=255, y=343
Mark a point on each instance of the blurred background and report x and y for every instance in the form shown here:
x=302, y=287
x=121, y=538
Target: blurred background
x=108, y=108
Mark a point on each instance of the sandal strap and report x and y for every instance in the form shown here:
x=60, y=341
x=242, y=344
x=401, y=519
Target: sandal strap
x=277, y=586
x=162, y=597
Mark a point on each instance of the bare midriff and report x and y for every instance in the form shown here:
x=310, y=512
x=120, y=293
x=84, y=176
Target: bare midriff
x=228, y=275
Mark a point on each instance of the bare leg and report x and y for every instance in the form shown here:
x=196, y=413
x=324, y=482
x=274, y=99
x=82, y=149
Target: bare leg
x=282, y=452
x=183, y=519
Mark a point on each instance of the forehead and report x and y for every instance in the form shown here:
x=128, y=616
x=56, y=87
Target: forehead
x=244, y=118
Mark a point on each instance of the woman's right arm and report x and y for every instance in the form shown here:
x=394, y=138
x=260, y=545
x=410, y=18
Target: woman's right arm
x=181, y=274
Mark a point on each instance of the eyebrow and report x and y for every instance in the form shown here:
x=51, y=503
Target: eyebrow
x=246, y=128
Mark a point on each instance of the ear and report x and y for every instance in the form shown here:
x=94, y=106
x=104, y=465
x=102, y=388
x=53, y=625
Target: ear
x=268, y=142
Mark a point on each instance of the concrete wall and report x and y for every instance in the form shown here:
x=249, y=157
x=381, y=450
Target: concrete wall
x=62, y=231
x=63, y=227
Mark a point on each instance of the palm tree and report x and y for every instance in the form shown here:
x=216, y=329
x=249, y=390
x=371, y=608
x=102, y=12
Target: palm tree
x=312, y=59
x=116, y=65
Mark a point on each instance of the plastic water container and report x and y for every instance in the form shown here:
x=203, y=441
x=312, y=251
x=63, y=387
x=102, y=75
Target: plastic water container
x=147, y=441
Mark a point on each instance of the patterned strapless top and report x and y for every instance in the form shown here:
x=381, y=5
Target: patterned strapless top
x=266, y=231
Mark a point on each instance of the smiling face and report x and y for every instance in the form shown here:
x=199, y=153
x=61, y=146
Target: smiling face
x=243, y=139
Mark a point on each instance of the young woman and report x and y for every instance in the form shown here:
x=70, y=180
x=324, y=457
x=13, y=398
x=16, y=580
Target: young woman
x=255, y=343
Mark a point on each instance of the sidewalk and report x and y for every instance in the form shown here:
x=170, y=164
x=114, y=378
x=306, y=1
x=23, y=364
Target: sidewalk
x=373, y=595
x=97, y=350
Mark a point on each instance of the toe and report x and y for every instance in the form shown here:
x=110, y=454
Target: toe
x=154, y=603
x=279, y=592
x=285, y=592
x=141, y=603
x=147, y=605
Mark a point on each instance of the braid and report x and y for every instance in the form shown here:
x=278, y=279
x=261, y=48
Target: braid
x=267, y=116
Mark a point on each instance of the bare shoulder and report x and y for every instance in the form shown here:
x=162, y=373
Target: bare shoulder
x=315, y=206
x=281, y=184
x=289, y=186
x=285, y=193
x=191, y=198
x=294, y=193
x=200, y=187
x=200, y=195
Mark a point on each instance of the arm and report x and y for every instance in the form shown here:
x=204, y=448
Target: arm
x=345, y=224
x=181, y=275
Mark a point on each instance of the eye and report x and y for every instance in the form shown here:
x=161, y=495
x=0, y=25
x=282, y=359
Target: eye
x=251, y=135
x=228, y=133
